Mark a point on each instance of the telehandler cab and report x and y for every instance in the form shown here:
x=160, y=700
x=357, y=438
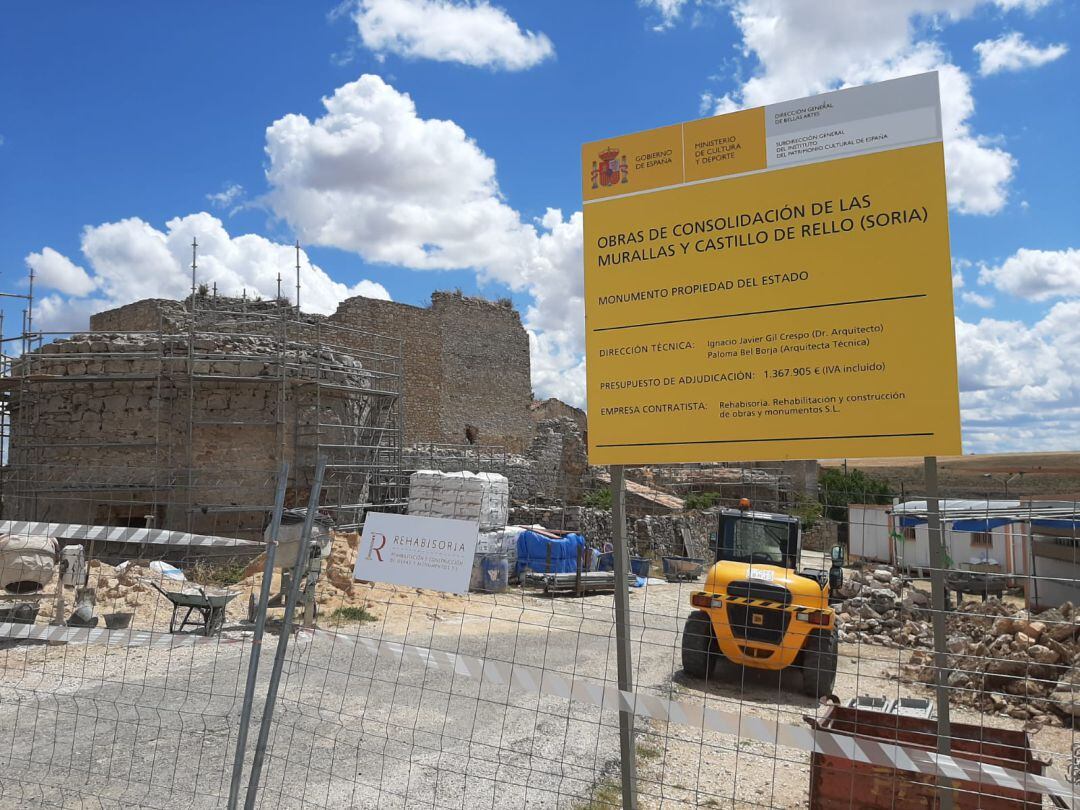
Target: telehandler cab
x=758, y=609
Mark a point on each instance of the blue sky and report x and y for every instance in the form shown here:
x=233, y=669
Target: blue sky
x=449, y=155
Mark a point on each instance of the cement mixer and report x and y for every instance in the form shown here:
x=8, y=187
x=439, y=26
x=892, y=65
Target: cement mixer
x=322, y=538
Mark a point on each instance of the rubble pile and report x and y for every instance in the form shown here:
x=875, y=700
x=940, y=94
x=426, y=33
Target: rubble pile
x=1011, y=662
x=122, y=589
x=1000, y=659
x=879, y=609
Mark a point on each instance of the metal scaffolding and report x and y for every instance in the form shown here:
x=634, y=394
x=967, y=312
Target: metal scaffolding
x=174, y=457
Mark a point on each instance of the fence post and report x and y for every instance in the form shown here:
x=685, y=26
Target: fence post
x=302, y=555
x=627, y=749
x=939, y=599
x=257, y=637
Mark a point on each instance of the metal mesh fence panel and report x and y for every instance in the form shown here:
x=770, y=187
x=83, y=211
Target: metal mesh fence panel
x=764, y=675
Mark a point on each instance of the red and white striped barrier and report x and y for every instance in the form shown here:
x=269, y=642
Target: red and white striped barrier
x=114, y=638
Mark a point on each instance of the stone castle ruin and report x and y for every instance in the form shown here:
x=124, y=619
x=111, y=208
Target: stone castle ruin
x=179, y=415
x=467, y=368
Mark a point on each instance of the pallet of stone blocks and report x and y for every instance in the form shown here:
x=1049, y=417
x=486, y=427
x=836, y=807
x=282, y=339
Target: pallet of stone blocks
x=483, y=497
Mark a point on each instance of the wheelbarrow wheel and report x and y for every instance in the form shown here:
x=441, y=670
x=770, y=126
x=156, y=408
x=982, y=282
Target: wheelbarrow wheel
x=215, y=621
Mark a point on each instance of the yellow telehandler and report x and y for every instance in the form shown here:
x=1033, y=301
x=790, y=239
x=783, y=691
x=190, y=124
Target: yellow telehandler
x=758, y=609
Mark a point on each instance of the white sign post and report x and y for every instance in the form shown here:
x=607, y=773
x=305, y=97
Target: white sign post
x=422, y=552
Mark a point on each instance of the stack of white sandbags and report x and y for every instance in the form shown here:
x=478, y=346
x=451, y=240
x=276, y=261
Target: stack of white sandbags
x=457, y=496
x=484, y=498
x=26, y=562
x=495, y=503
x=500, y=541
x=445, y=495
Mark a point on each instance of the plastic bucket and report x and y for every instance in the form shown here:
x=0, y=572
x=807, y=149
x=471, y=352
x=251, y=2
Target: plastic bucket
x=640, y=566
x=495, y=573
x=118, y=621
x=21, y=613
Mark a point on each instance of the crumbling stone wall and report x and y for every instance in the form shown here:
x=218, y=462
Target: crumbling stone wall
x=553, y=408
x=486, y=375
x=465, y=360
x=822, y=536
x=148, y=315
x=555, y=467
x=109, y=428
x=422, y=358
x=466, y=363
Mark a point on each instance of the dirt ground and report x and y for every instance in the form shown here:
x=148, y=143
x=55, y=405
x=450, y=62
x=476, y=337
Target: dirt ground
x=164, y=720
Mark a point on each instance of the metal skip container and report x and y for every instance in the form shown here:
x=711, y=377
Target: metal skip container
x=838, y=781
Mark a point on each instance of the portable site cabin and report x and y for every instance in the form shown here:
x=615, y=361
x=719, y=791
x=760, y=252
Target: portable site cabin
x=975, y=532
x=1035, y=544
x=1055, y=562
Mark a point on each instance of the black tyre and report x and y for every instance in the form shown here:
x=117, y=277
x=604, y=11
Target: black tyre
x=819, y=664
x=700, y=652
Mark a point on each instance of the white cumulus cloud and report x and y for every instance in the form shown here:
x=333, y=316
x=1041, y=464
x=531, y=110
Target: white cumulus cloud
x=372, y=176
x=1037, y=275
x=472, y=32
x=229, y=194
x=1030, y=6
x=801, y=51
x=1017, y=388
x=959, y=265
x=1011, y=52
x=55, y=271
x=977, y=299
x=556, y=318
x=669, y=11
x=131, y=259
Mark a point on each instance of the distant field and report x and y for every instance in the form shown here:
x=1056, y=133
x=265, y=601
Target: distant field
x=1038, y=475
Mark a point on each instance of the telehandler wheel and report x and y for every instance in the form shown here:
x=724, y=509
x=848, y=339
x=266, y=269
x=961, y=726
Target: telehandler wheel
x=700, y=652
x=819, y=664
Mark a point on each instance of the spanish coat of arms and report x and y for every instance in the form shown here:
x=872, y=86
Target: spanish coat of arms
x=612, y=170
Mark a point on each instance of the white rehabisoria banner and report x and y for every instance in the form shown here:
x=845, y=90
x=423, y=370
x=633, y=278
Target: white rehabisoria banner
x=422, y=552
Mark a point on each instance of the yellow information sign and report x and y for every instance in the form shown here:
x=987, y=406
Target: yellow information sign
x=774, y=283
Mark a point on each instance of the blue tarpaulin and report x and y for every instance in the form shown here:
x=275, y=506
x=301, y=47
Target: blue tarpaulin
x=980, y=524
x=533, y=553
x=907, y=522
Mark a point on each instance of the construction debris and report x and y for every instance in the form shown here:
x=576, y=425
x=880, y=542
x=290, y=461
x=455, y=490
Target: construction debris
x=879, y=609
x=1001, y=659
x=1011, y=662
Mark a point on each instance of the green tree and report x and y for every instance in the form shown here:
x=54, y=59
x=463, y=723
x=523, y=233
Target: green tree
x=701, y=500
x=836, y=489
x=598, y=499
x=808, y=511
